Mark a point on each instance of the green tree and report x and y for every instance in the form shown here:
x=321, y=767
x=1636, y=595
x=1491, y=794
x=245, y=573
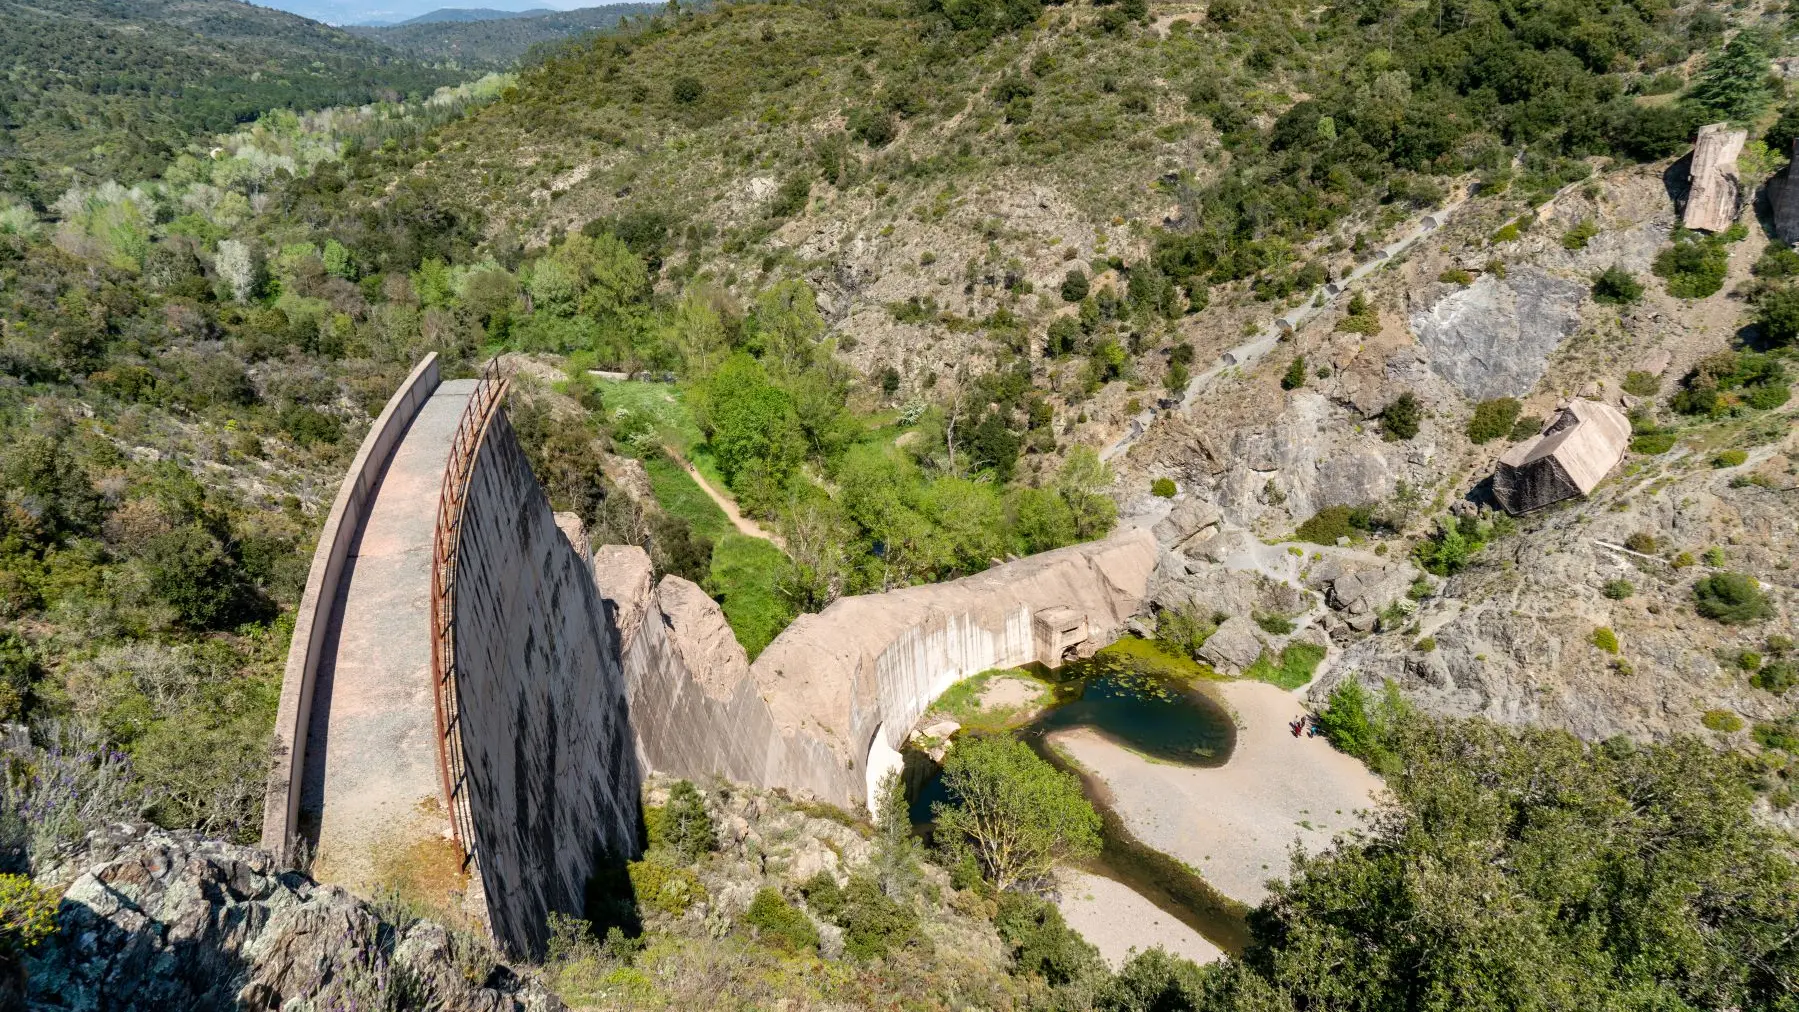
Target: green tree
x=1074, y=286
x=683, y=825
x=1493, y=419
x=1400, y=418
x=1020, y=816
x=1734, y=83
x=1082, y=483
x=1295, y=376
x=750, y=419
x=1616, y=286
x=1521, y=868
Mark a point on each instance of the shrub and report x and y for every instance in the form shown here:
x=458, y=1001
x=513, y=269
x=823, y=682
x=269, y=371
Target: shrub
x=1578, y=236
x=1493, y=419
x=1293, y=667
x=1042, y=943
x=1683, y=560
x=1020, y=815
x=779, y=924
x=823, y=895
x=1400, y=418
x=1641, y=542
x=1616, y=286
x=1693, y=266
x=1714, y=556
x=1274, y=624
x=1776, y=677
x=1605, y=639
x=1780, y=734
x=1184, y=630
x=1722, y=720
x=1618, y=590
x=1641, y=384
x=27, y=915
x=1425, y=645
x=683, y=825
x=1525, y=427
x=1730, y=458
x=664, y=886
x=1295, y=376
x=1778, y=645
x=1456, y=276
x=1326, y=526
x=1074, y=286
x=686, y=89
x=1777, y=314
x=1162, y=488
x=1154, y=980
x=1749, y=660
x=1731, y=598
x=873, y=923
x=1362, y=730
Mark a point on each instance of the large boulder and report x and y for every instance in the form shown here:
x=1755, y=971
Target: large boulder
x=159, y=921
x=1234, y=647
x=1190, y=518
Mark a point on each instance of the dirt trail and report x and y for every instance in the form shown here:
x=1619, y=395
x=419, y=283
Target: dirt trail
x=743, y=524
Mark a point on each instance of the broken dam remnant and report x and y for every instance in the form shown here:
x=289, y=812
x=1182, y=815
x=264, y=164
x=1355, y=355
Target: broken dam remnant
x=473, y=696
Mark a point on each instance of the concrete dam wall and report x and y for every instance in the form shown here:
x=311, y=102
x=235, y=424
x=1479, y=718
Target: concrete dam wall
x=472, y=698
x=547, y=747
x=848, y=683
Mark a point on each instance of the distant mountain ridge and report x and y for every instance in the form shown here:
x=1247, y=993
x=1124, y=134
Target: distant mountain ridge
x=463, y=15
x=494, y=38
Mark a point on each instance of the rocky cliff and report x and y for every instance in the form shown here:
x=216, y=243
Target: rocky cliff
x=154, y=921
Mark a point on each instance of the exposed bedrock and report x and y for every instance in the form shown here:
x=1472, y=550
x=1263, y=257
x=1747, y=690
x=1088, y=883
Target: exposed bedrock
x=807, y=713
x=1494, y=337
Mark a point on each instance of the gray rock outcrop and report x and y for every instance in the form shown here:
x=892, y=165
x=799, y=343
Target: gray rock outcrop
x=155, y=921
x=1494, y=337
x=1714, y=193
x=1234, y=647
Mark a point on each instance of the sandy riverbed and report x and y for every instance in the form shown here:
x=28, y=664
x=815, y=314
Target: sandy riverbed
x=1235, y=823
x=1118, y=921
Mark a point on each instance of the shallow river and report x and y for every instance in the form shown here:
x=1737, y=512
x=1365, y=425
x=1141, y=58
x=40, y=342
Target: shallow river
x=1148, y=712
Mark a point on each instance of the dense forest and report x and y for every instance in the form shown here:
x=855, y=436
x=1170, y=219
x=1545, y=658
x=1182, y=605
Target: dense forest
x=108, y=89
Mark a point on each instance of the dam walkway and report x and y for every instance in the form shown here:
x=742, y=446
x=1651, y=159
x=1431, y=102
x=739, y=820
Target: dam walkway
x=371, y=777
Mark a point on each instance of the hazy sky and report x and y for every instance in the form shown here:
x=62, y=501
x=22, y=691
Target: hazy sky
x=362, y=12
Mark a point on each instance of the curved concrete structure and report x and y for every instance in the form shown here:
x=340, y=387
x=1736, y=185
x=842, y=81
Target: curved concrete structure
x=472, y=700
x=318, y=603
x=372, y=806
x=837, y=687
x=531, y=755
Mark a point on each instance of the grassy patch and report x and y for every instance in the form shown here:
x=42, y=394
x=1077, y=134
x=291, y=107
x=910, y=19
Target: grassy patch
x=1292, y=669
x=662, y=403
x=962, y=703
x=681, y=496
x=745, y=575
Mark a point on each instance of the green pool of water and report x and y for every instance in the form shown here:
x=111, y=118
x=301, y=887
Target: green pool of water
x=1149, y=705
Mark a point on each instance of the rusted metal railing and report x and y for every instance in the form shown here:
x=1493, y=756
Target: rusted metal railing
x=457, y=470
